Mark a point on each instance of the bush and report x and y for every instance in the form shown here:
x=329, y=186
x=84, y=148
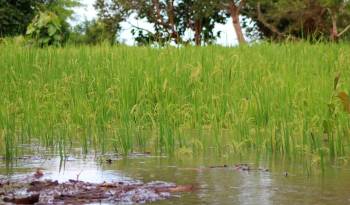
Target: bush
x=45, y=29
x=93, y=32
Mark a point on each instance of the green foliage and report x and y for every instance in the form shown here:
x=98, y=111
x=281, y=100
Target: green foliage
x=15, y=16
x=110, y=15
x=91, y=32
x=170, y=19
x=310, y=19
x=276, y=20
x=50, y=26
x=45, y=29
x=200, y=16
x=63, y=9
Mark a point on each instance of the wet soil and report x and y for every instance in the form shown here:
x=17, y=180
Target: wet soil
x=32, y=190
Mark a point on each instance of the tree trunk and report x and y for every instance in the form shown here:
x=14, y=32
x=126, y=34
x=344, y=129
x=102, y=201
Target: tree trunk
x=235, y=12
x=171, y=16
x=198, y=31
x=169, y=24
x=334, y=32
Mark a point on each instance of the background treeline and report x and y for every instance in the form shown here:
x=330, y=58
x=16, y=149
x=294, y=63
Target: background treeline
x=45, y=22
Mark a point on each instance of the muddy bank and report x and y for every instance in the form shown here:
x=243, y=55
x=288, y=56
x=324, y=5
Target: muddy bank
x=32, y=190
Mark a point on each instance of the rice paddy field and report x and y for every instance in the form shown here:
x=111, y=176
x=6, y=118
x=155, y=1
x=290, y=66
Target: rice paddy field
x=286, y=100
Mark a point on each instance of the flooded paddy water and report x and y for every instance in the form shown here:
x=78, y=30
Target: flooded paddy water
x=175, y=180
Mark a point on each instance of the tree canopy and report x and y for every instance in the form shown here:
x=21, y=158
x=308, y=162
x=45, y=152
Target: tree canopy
x=172, y=20
x=308, y=19
x=16, y=15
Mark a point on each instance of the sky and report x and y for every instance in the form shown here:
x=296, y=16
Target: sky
x=87, y=11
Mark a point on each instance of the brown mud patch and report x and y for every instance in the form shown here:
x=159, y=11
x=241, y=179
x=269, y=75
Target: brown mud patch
x=32, y=190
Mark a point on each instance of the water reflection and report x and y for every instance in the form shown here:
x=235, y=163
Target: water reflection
x=255, y=188
x=215, y=186
x=85, y=169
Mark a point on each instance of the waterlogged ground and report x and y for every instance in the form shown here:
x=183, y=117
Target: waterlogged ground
x=217, y=180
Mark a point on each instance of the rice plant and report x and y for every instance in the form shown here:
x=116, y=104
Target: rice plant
x=273, y=98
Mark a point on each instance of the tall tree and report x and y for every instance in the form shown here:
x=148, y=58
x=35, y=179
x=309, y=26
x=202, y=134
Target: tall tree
x=311, y=19
x=15, y=16
x=110, y=15
x=171, y=19
x=200, y=16
x=234, y=9
x=163, y=15
x=337, y=9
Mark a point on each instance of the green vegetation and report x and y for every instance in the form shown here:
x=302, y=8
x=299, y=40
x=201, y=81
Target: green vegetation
x=272, y=98
x=277, y=20
x=15, y=16
x=181, y=22
x=45, y=29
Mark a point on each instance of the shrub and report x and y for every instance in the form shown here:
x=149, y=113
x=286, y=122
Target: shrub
x=45, y=29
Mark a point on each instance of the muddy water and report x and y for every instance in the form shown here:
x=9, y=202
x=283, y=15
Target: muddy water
x=219, y=185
